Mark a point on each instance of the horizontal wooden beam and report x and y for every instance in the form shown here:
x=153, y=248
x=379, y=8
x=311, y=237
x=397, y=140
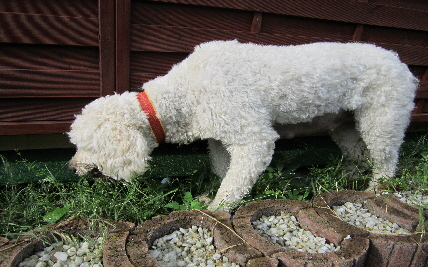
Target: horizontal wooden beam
x=49, y=83
x=46, y=57
x=39, y=127
x=183, y=39
x=42, y=29
x=344, y=11
x=422, y=91
x=40, y=109
x=65, y=8
x=422, y=117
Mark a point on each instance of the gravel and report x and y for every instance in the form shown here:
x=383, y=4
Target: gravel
x=194, y=246
x=412, y=199
x=188, y=247
x=355, y=214
x=87, y=253
x=285, y=231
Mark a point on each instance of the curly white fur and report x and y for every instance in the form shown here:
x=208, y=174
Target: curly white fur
x=233, y=94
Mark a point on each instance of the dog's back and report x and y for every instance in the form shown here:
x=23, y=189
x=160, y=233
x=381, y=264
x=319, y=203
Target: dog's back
x=297, y=82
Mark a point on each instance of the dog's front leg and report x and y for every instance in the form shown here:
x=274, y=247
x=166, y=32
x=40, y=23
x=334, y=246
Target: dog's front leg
x=220, y=158
x=247, y=162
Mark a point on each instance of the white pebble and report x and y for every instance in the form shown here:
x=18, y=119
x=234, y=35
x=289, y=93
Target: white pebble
x=285, y=231
x=412, y=198
x=355, y=214
x=78, y=260
x=188, y=247
x=85, y=245
x=81, y=252
x=45, y=257
x=41, y=264
x=61, y=256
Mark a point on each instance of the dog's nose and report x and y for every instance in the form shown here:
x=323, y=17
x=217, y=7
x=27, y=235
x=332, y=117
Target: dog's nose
x=72, y=168
x=95, y=173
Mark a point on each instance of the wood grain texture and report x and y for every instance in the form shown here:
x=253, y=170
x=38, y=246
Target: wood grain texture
x=34, y=127
x=277, y=24
x=42, y=29
x=154, y=62
x=154, y=13
x=107, y=47
x=49, y=83
x=122, y=51
x=48, y=71
x=343, y=11
x=178, y=39
x=414, y=4
x=48, y=109
x=422, y=90
x=69, y=8
x=42, y=57
x=56, y=56
x=49, y=57
x=421, y=117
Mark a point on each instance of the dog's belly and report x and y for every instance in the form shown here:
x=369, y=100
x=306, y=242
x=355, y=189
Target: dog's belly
x=319, y=125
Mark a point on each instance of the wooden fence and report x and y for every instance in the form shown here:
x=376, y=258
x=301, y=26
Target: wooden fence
x=57, y=56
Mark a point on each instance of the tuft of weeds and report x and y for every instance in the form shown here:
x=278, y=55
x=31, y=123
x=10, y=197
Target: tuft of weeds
x=26, y=206
x=335, y=176
x=306, y=183
x=23, y=207
x=188, y=203
x=278, y=183
x=412, y=172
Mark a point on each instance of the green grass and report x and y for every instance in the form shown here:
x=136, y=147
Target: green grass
x=29, y=205
x=412, y=171
x=25, y=206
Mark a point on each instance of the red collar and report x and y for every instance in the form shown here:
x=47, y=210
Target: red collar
x=154, y=122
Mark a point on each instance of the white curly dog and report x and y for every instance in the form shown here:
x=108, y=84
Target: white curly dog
x=244, y=97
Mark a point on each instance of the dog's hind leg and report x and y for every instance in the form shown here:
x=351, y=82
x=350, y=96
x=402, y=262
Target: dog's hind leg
x=383, y=128
x=220, y=157
x=247, y=162
x=383, y=119
x=353, y=148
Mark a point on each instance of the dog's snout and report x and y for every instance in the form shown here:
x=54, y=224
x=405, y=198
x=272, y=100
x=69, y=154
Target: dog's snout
x=95, y=173
x=72, y=168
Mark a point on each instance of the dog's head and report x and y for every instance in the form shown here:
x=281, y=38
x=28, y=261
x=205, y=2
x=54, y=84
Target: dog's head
x=112, y=137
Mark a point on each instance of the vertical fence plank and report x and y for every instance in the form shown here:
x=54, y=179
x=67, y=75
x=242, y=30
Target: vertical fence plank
x=106, y=16
x=123, y=39
x=256, y=24
x=421, y=103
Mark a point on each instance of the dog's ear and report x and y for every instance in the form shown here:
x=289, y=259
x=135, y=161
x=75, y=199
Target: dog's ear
x=123, y=151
